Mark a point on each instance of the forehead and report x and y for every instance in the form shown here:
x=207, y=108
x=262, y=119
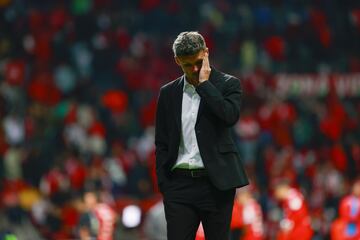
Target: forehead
x=191, y=59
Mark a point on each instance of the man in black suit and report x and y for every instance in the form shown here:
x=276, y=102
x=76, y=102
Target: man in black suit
x=197, y=165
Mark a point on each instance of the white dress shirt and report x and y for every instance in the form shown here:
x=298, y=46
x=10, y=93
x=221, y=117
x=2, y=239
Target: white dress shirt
x=189, y=154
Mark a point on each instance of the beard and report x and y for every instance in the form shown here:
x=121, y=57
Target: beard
x=193, y=78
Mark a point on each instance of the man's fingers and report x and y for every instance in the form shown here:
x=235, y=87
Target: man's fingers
x=206, y=60
x=205, y=68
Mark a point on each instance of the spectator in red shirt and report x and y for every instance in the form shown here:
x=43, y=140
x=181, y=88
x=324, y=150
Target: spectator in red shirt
x=347, y=225
x=247, y=216
x=99, y=219
x=296, y=218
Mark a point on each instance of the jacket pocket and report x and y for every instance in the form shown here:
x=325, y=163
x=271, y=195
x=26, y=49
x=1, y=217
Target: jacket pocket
x=224, y=148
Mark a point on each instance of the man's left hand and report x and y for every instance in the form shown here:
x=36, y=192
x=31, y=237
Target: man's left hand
x=205, y=70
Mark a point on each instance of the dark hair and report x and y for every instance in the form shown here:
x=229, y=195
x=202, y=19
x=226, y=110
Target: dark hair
x=188, y=43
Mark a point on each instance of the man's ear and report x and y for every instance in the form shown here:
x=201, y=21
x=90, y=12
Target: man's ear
x=207, y=50
x=177, y=60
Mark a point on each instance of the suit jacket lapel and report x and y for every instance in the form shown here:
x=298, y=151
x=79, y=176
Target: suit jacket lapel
x=177, y=100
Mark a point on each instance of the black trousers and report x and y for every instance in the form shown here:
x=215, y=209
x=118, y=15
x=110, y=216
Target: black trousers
x=189, y=201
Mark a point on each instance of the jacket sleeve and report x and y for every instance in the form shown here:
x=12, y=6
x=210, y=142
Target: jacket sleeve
x=161, y=136
x=225, y=105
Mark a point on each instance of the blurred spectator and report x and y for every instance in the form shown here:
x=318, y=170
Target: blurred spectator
x=247, y=219
x=347, y=225
x=99, y=219
x=296, y=220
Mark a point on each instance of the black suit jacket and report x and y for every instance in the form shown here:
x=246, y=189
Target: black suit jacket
x=219, y=110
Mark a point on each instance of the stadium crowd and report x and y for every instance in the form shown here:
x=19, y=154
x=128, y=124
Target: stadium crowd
x=79, y=81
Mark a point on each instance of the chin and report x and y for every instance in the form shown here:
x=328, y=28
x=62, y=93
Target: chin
x=191, y=79
x=195, y=78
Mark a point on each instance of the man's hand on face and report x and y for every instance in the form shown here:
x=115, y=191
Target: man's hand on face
x=205, y=70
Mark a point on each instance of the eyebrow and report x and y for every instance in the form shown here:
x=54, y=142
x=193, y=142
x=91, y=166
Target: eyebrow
x=197, y=62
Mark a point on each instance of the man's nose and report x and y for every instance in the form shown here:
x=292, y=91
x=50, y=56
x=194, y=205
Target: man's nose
x=195, y=68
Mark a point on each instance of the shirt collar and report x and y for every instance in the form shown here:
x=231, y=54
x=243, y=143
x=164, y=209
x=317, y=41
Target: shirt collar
x=187, y=85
